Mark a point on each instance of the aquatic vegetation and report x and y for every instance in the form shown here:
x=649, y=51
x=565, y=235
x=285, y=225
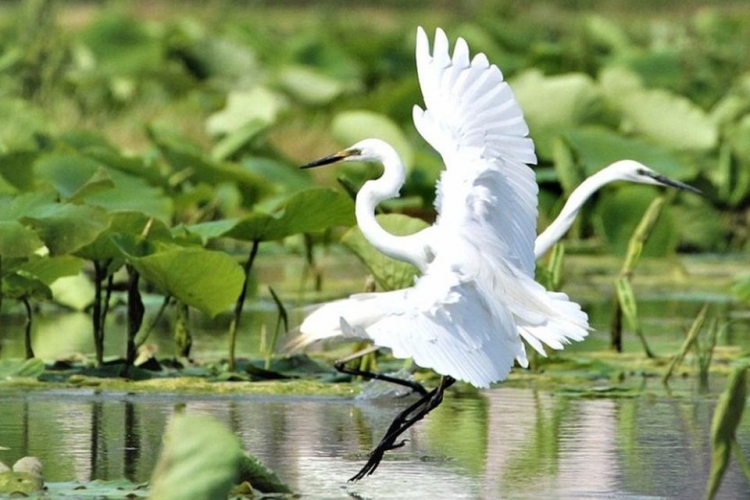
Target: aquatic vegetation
x=153, y=168
x=724, y=425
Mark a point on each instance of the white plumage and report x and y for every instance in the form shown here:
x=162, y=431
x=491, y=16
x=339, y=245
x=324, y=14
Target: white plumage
x=477, y=297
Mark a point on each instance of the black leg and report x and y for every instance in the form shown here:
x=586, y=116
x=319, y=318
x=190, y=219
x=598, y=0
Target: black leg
x=401, y=423
x=340, y=366
x=415, y=386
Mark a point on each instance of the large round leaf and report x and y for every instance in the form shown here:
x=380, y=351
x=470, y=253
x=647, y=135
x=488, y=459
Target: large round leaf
x=17, y=240
x=207, y=280
x=135, y=224
x=200, y=460
x=65, y=227
x=554, y=104
x=350, y=127
x=72, y=175
x=309, y=211
x=598, y=147
x=667, y=119
x=243, y=107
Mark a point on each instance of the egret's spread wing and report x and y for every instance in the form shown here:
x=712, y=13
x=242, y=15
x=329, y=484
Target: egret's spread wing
x=440, y=322
x=452, y=325
x=473, y=120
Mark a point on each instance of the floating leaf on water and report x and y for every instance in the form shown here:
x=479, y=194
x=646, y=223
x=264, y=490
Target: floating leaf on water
x=261, y=477
x=12, y=368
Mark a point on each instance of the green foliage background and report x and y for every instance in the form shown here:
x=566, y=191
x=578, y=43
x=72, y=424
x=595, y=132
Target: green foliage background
x=148, y=132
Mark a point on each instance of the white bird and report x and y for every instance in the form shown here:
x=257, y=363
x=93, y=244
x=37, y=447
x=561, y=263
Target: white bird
x=477, y=297
x=623, y=170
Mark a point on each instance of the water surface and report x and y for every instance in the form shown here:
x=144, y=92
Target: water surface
x=505, y=443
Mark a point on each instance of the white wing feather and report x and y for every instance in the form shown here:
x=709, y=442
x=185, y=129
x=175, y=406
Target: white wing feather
x=473, y=120
x=463, y=318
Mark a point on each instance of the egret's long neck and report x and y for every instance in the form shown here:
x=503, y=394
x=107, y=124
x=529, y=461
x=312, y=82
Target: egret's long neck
x=568, y=214
x=404, y=248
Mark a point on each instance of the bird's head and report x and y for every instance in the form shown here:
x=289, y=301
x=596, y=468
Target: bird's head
x=633, y=171
x=374, y=150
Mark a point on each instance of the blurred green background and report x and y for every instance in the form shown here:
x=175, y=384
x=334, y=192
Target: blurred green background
x=135, y=129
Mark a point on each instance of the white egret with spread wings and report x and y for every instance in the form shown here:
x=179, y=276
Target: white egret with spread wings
x=476, y=299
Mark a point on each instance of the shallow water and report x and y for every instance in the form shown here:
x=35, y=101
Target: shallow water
x=505, y=443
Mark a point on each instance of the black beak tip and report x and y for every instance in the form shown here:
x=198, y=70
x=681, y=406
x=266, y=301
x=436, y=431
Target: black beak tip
x=326, y=160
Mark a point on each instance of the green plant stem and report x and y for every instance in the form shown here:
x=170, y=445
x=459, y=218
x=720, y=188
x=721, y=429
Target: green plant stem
x=626, y=303
x=1, y=284
x=182, y=337
x=141, y=337
x=239, y=304
x=27, y=328
x=692, y=335
x=135, y=315
x=96, y=316
x=283, y=318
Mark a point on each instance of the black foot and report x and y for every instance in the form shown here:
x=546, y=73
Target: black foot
x=401, y=423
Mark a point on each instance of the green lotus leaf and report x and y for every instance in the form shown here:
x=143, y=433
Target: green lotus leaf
x=17, y=240
x=309, y=211
x=65, y=227
x=350, y=127
x=597, y=147
x=200, y=459
x=666, y=119
x=208, y=280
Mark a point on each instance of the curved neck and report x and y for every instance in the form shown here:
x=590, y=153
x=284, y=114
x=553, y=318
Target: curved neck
x=387, y=186
x=557, y=229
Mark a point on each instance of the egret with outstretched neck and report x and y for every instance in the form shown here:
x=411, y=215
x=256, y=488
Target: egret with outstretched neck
x=476, y=299
x=623, y=170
